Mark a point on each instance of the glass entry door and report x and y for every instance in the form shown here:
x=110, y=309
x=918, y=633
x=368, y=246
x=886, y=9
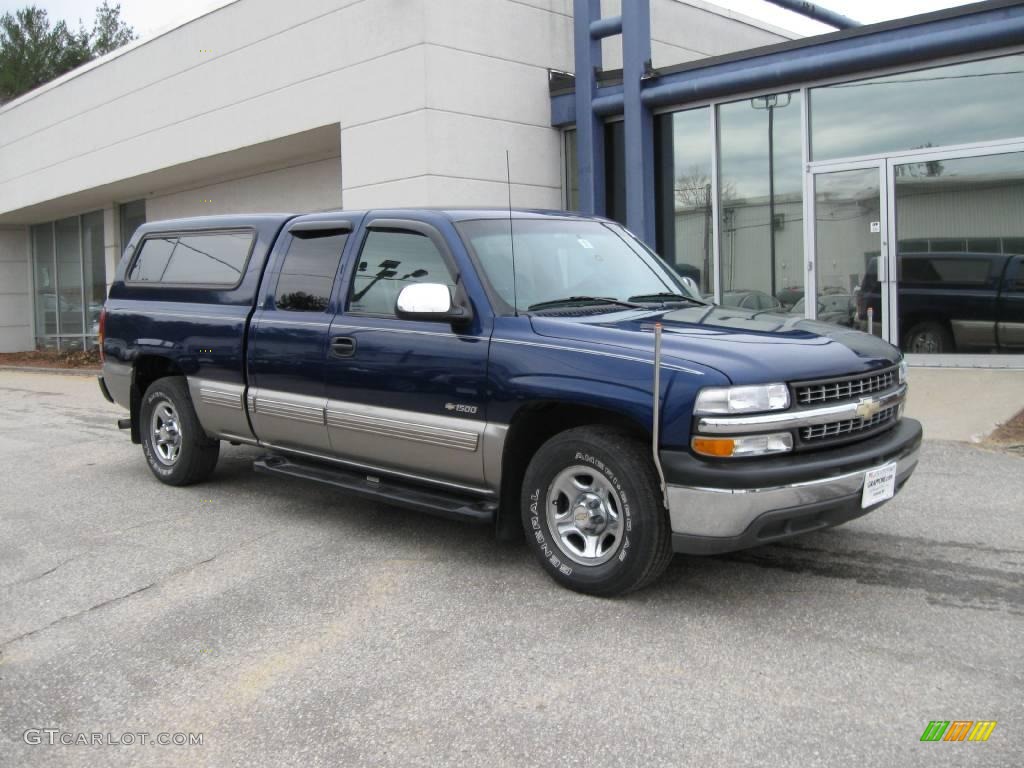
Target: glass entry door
x=958, y=228
x=848, y=268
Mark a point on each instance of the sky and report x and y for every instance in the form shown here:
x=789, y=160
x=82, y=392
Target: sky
x=151, y=16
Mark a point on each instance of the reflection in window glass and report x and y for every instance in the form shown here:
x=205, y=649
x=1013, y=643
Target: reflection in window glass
x=960, y=231
x=45, y=278
x=69, y=277
x=956, y=104
x=152, y=260
x=133, y=216
x=207, y=258
x=572, y=176
x=94, y=268
x=308, y=272
x=615, y=171
x=390, y=261
x=683, y=181
x=761, y=196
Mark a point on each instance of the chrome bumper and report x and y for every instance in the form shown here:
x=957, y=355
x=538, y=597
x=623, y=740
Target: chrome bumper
x=725, y=512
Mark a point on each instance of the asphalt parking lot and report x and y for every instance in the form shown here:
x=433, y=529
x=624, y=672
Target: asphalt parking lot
x=292, y=626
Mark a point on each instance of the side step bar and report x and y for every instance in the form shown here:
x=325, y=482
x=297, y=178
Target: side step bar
x=450, y=505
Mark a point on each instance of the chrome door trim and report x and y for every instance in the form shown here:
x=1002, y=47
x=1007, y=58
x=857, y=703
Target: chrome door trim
x=218, y=405
x=345, y=418
x=288, y=419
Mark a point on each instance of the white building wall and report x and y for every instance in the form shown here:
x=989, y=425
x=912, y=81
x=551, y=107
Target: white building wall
x=15, y=291
x=314, y=186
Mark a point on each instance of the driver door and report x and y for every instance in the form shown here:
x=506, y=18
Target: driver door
x=407, y=396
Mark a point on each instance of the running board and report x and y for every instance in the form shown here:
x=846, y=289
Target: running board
x=386, y=489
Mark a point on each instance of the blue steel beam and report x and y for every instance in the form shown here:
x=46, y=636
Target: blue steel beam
x=589, y=127
x=606, y=27
x=797, y=64
x=816, y=12
x=639, y=123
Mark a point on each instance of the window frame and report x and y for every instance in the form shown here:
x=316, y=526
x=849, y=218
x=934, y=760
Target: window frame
x=178, y=234
x=407, y=226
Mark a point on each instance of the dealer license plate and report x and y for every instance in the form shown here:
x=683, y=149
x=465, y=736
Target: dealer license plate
x=879, y=485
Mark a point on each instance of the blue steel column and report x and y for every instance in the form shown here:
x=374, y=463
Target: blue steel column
x=636, y=58
x=589, y=127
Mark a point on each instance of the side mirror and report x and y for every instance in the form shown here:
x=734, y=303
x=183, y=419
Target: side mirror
x=428, y=301
x=691, y=286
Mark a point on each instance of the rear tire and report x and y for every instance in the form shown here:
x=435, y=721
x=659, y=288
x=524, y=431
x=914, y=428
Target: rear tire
x=593, y=512
x=928, y=338
x=175, y=445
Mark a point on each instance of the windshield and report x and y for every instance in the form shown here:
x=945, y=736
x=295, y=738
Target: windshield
x=558, y=259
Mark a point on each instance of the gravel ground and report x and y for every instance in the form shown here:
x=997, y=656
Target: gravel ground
x=290, y=625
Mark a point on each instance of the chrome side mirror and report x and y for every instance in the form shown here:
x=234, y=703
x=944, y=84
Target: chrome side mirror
x=691, y=286
x=428, y=301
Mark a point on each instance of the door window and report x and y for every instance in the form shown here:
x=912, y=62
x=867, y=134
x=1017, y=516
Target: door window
x=391, y=260
x=307, y=275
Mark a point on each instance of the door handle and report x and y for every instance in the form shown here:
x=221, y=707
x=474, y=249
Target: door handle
x=343, y=346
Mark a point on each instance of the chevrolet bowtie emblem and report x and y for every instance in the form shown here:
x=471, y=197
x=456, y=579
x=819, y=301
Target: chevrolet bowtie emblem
x=868, y=407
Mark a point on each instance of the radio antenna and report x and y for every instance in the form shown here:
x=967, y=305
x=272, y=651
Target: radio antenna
x=511, y=234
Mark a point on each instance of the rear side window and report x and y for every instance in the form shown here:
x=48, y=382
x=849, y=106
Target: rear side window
x=200, y=258
x=307, y=275
x=390, y=261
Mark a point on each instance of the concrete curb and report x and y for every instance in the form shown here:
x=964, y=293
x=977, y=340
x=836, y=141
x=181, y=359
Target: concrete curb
x=59, y=371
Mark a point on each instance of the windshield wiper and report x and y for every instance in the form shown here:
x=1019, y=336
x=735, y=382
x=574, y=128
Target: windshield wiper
x=666, y=296
x=582, y=300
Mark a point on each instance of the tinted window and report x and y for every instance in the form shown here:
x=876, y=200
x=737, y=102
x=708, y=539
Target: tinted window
x=389, y=262
x=153, y=259
x=937, y=269
x=308, y=272
x=203, y=258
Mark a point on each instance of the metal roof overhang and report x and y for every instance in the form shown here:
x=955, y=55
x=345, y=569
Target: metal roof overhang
x=968, y=29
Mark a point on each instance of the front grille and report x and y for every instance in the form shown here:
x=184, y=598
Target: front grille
x=849, y=427
x=847, y=388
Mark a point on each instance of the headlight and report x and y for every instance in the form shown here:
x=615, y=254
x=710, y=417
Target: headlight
x=728, y=400
x=903, y=371
x=738, y=447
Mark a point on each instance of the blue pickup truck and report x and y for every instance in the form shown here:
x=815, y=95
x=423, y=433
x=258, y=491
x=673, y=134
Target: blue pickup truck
x=539, y=372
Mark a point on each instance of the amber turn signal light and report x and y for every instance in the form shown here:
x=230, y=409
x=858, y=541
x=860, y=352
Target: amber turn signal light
x=714, y=446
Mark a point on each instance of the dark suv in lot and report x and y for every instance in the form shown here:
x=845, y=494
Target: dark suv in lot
x=952, y=302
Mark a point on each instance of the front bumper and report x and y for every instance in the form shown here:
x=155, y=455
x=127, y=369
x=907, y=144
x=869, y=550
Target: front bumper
x=724, y=506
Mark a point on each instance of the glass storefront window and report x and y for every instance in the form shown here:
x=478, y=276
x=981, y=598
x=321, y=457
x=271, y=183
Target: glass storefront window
x=45, y=281
x=69, y=276
x=761, y=202
x=683, y=153
x=955, y=104
x=94, y=268
x=132, y=216
x=615, y=171
x=960, y=254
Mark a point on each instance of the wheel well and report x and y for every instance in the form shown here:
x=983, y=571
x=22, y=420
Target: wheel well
x=532, y=426
x=147, y=369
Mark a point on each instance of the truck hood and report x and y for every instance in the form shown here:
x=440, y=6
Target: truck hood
x=746, y=346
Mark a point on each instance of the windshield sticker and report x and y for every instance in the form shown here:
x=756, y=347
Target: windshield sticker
x=585, y=243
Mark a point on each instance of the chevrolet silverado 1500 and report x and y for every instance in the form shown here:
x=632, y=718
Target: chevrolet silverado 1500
x=540, y=372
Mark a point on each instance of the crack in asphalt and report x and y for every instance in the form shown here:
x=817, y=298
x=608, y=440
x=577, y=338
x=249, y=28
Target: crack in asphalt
x=30, y=579
x=172, y=575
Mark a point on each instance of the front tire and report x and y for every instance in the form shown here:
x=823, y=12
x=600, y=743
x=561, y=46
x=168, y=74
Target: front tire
x=175, y=445
x=593, y=512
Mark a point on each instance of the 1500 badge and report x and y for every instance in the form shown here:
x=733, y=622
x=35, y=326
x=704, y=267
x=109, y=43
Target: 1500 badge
x=460, y=408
